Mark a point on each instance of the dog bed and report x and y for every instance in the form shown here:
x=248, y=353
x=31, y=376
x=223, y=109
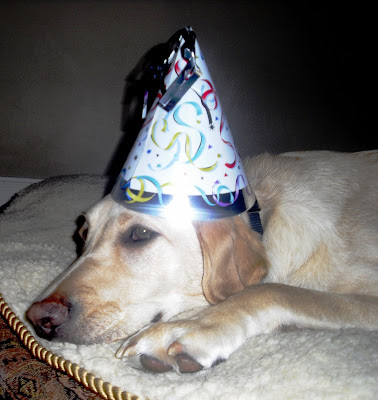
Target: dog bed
x=36, y=244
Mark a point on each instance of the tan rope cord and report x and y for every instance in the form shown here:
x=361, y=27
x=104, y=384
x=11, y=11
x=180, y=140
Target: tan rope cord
x=96, y=385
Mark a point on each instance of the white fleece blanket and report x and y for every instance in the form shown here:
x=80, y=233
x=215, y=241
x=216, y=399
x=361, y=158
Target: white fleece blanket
x=36, y=244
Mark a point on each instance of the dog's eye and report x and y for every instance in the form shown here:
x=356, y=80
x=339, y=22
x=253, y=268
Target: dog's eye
x=138, y=235
x=141, y=233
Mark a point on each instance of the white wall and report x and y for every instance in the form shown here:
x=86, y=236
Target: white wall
x=289, y=77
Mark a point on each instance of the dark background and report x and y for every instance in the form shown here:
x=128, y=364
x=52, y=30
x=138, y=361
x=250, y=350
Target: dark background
x=290, y=76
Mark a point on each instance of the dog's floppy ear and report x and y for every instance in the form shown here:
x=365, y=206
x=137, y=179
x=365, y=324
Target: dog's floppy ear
x=233, y=257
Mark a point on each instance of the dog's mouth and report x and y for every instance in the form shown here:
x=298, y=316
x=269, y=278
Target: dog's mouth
x=57, y=320
x=157, y=318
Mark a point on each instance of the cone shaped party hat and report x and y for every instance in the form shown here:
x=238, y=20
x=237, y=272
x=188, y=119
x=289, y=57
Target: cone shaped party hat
x=184, y=160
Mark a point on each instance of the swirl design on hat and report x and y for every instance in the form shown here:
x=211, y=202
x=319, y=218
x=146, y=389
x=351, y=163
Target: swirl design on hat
x=180, y=120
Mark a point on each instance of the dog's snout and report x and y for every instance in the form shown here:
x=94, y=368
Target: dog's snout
x=47, y=315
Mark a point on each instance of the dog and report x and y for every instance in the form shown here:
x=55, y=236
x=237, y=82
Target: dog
x=315, y=265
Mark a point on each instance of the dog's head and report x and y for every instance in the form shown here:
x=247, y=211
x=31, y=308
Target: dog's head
x=136, y=269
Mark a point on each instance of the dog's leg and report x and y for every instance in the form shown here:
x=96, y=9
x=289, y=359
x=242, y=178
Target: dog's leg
x=212, y=335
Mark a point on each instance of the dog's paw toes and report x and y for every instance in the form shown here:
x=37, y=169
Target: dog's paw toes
x=145, y=361
x=186, y=347
x=193, y=358
x=186, y=363
x=153, y=364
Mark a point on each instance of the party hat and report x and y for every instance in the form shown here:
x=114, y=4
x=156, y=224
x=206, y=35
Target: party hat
x=184, y=161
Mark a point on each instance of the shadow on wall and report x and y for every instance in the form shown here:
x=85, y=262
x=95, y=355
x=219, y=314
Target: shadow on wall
x=141, y=88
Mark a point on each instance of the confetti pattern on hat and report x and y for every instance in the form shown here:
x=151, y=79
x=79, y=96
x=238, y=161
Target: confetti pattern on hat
x=187, y=152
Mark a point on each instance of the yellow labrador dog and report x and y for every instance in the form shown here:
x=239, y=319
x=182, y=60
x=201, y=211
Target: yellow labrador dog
x=314, y=266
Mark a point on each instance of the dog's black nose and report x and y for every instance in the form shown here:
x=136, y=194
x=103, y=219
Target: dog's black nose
x=47, y=315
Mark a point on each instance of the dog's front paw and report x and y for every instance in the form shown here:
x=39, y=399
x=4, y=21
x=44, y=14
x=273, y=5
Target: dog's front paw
x=185, y=345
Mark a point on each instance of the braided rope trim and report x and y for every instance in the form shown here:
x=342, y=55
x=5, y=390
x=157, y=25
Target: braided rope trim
x=85, y=378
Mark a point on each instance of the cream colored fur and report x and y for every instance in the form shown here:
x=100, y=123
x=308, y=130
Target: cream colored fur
x=319, y=213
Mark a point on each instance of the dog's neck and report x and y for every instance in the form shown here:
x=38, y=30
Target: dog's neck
x=254, y=218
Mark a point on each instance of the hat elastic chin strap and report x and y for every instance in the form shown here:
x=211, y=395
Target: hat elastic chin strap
x=254, y=218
